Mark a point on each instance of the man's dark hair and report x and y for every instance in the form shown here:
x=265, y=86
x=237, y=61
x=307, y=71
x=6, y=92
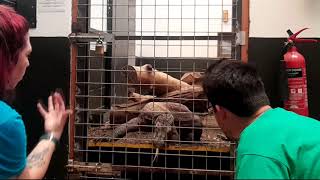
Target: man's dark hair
x=235, y=86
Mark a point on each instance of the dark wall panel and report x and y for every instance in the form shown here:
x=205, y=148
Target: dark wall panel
x=48, y=70
x=25, y=8
x=265, y=54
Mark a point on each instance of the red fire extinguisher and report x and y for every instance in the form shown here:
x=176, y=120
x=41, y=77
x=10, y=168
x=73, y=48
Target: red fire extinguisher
x=297, y=100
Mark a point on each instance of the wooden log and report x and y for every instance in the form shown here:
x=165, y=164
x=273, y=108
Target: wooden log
x=135, y=97
x=192, y=78
x=151, y=80
x=193, y=97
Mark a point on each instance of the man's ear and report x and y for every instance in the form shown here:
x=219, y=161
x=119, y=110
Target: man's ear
x=221, y=110
x=217, y=108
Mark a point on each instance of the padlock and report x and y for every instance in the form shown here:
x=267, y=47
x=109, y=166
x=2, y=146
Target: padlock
x=99, y=48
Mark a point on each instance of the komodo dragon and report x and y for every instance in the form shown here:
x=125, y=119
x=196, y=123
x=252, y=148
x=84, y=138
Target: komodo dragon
x=166, y=118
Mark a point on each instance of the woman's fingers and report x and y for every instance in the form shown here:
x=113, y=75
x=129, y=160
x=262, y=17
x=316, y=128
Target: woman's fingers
x=68, y=112
x=65, y=115
x=56, y=102
x=41, y=110
x=50, y=103
x=56, y=107
x=60, y=100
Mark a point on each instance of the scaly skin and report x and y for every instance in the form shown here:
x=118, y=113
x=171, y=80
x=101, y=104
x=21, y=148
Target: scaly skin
x=166, y=116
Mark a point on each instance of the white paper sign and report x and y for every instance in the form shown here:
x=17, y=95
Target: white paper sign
x=50, y=6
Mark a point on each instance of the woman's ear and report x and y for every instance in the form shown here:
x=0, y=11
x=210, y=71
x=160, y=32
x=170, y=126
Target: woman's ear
x=11, y=65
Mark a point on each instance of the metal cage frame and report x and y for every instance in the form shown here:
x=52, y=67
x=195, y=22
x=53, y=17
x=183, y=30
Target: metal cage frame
x=80, y=39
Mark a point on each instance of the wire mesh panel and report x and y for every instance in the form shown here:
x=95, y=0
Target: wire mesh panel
x=140, y=110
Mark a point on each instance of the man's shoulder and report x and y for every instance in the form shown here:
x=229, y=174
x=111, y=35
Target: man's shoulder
x=265, y=135
x=278, y=125
x=279, y=132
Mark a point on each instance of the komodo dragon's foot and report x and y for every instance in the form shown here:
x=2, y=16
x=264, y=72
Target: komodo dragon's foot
x=163, y=125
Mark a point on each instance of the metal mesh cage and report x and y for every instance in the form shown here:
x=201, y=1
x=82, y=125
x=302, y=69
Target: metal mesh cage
x=140, y=111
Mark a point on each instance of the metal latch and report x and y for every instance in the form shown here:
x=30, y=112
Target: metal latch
x=85, y=37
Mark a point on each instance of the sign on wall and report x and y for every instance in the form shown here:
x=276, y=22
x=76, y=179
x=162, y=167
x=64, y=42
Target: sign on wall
x=49, y=6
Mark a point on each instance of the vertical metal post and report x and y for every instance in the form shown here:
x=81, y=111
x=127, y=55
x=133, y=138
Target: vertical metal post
x=245, y=28
x=73, y=72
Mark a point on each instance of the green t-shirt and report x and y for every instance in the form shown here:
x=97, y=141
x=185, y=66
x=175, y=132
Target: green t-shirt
x=279, y=145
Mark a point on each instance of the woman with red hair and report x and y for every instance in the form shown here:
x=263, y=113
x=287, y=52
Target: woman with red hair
x=15, y=48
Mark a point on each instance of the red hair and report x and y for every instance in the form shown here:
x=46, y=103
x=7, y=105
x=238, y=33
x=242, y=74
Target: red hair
x=13, y=29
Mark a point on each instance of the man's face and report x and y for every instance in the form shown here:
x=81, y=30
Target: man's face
x=224, y=121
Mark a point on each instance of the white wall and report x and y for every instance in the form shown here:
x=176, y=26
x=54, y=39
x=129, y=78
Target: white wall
x=180, y=18
x=53, y=19
x=272, y=18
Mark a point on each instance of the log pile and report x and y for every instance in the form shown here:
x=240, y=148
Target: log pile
x=159, y=87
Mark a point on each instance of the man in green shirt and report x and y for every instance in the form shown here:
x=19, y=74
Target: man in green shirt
x=273, y=143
